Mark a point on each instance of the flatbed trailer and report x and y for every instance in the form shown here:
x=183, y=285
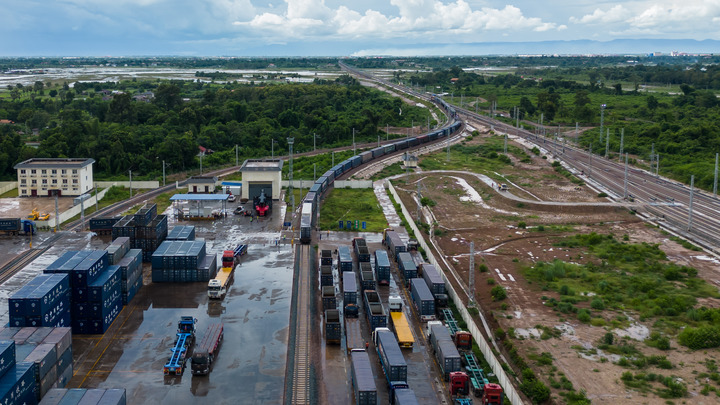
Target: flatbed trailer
x=176, y=363
x=402, y=330
x=353, y=335
x=205, y=353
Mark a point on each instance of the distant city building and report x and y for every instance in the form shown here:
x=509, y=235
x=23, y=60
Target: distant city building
x=45, y=177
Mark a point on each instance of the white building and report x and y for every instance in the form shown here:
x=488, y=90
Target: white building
x=260, y=175
x=43, y=177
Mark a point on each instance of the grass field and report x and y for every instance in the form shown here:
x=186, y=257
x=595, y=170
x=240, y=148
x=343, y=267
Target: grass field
x=10, y=194
x=352, y=205
x=115, y=194
x=162, y=201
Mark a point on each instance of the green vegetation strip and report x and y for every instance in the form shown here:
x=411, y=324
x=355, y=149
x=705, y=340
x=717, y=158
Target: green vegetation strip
x=352, y=205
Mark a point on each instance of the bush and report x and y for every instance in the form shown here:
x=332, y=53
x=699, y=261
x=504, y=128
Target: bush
x=584, y=316
x=483, y=268
x=608, y=338
x=536, y=391
x=597, y=303
x=627, y=376
x=602, y=195
x=541, y=228
x=704, y=337
x=522, y=225
x=491, y=281
x=498, y=293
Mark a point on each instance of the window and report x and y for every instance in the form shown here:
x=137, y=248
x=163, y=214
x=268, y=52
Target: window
x=74, y=171
x=53, y=171
x=64, y=171
x=33, y=171
x=75, y=181
x=24, y=191
x=44, y=181
x=23, y=181
x=44, y=171
x=34, y=181
x=64, y=181
x=22, y=171
x=54, y=181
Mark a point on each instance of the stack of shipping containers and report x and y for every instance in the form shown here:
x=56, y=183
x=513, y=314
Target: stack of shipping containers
x=146, y=230
x=131, y=280
x=118, y=249
x=183, y=262
x=47, y=351
x=182, y=232
x=77, y=396
x=44, y=301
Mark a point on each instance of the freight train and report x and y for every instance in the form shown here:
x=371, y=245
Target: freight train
x=312, y=198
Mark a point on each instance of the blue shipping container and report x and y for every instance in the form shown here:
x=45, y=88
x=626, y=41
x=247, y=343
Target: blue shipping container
x=105, y=285
x=7, y=355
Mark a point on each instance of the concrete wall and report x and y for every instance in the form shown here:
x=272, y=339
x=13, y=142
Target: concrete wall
x=485, y=348
x=64, y=216
x=353, y=183
x=6, y=186
x=126, y=184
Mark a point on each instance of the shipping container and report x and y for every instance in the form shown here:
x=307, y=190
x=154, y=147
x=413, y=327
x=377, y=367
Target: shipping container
x=405, y=396
x=55, y=266
x=407, y=267
x=326, y=257
x=349, y=288
x=61, y=338
x=117, y=249
x=446, y=353
x=436, y=284
x=89, y=269
x=382, y=267
x=374, y=310
x=362, y=379
x=17, y=382
x=44, y=356
x=182, y=233
x=345, y=262
x=7, y=355
x=367, y=279
x=423, y=299
x=391, y=358
x=333, y=331
x=106, y=285
x=145, y=214
x=394, y=243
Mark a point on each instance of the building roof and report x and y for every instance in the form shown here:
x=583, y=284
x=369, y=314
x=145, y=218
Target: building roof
x=202, y=179
x=232, y=183
x=262, y=165
x=199, y=197
x=74, y=163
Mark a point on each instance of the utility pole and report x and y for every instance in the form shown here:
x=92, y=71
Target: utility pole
x=314, y=138
x=82, y=213
x=130, y=183
x=716, y=177
x=690, y=208
x=657, y=166
x=419, y=197
x=57, y=212
x=542, y=128
x=622, y=141
x=626, y=176
x=164, y=171
x=447, y=158
x=272, y=147
x=607, y=144
x=652, y=157
x=290, y=174
x=378, y=140
x=201, y=156
x=236, y=158
x=353, y=141
x=96, y=198
x=314, y=172
x=590, y=168
x=505, y=145
x=471, y=281
x=387, y=132
x=577, y=133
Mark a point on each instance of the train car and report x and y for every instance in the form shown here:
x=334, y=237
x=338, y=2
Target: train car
x=366, y=156
x=316, y=188
x=377, y=152
x=413, y=142
x=311, y=198
x=322, y=181
x=338, y=169
x=347, y=165
x=389, y=148
x=330, y=174
x=306, y=223
x=356, y=161
x=434, y=136
x=423, y=139
x=400, y=145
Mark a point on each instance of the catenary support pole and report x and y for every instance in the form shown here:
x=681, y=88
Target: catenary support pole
x=690, y=207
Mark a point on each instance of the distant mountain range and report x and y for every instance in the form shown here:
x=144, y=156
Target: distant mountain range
x=573, y=47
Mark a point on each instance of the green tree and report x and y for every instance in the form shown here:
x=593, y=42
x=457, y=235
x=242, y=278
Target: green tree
x=167, y=96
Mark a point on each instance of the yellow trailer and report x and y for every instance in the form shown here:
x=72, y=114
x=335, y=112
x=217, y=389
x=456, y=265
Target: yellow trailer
x=402, y=330
x=217, y=287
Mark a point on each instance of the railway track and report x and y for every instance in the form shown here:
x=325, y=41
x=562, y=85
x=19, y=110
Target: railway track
x=301, y=367
x=23, y=259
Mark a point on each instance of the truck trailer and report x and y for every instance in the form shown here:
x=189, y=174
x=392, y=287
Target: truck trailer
x=362, y=379
x=400, y=325
x=349, y=288
x=17, y=226
x=436, y=284
x=205, y=353
x=446, y=353
x=382, y=267
x=332, y=326
x=423, y=299
x=407, y=267
x=353, y=335
x=326, y=276
x=391, y=359
x=367, y=279
x=394, y=243
x=328, y=297
x=345, y=262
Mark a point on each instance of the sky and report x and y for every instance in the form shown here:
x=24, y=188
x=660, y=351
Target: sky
x=334, y=27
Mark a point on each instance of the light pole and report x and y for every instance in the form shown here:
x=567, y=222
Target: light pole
x=602, y=116
x=314, y=138
x=272, y=147
x=353, y=141
x=130, y=183
x=290, y=174
x=201, y=156
x=168, y=165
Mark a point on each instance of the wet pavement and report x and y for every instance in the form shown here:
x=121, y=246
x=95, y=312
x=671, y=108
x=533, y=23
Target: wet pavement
x=20, y=207
x=250, y=368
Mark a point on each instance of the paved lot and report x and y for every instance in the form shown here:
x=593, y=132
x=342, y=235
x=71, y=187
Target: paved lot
x=18, y=207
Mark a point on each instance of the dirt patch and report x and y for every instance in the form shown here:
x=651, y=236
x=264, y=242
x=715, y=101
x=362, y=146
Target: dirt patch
x=509, y=237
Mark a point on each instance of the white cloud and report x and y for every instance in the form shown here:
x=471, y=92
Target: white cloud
x=667, y=12
x=614, y=14
x=431, y=20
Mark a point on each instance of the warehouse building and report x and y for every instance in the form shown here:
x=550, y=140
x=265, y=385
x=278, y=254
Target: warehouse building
x=47, y=177
x=202, y=184
x=259, y=175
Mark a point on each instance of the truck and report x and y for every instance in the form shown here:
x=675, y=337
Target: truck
x=349, y=289
x=332, y=326
x=382, y=267
x=394, y=243
x=423, y=299
x=395, y=303
x=328, y=297
x=184, y=338
x=445, y=351
x=217, y=287
x=407, y=267
x=262, y=204
x=459, y=384
x=400, y=326
x=362, y=379
x=391, y=358
x=345, y=262
x=377, y=318
x=17, y=226
x=463, y=339
x=353, y=335
x=206, y=351
x=436, y=284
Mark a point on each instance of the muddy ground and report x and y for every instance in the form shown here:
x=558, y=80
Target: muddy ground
x=491, y=221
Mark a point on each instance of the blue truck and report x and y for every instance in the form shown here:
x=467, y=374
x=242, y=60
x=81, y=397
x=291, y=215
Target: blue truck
x=185, y=337
x=17, y=226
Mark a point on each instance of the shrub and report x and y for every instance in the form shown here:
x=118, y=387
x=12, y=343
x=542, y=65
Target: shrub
x=491, y=281
x=536, y=391
x=602, y=195
x=483, y=268
x=704, y=337
x=500, y=333
x=522, y=225
x=584, y=316
x=541, y=228
x=498, y=293
x=627, y=376
x=597, y=303
x=608, y=338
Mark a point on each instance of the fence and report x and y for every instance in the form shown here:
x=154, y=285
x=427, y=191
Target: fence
x=65, y=215
x=497, y=369
x=126, y=184
x=6, y=186
x=337, y=184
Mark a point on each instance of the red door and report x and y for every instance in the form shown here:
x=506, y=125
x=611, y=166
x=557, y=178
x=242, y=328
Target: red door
x=194, y=189
x=33, y=193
